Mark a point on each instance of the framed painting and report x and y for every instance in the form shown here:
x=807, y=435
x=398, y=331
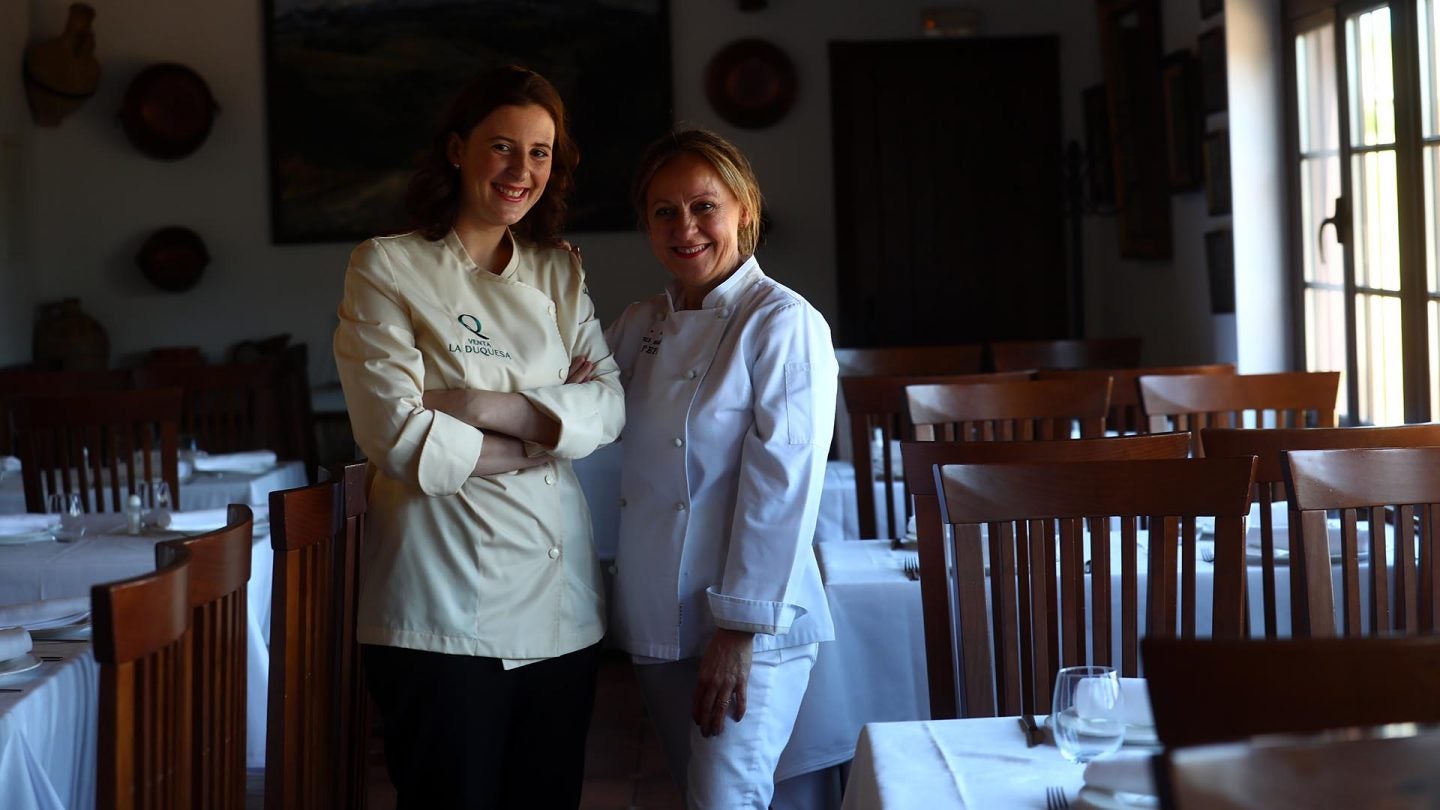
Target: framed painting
x=356, y=88
x=1184, y=124
x=1217, y=173
x=1099, y=172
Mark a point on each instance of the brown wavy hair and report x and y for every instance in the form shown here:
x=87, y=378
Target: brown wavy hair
x=433, y=199
x=723, y=156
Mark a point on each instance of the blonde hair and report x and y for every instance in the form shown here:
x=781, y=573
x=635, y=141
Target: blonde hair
x=723, y=156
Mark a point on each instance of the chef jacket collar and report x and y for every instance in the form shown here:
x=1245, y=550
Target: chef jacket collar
x=729, y=291
x=457, y=249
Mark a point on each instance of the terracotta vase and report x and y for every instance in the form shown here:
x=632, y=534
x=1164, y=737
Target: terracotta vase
x=67, y=339
x=62, y=73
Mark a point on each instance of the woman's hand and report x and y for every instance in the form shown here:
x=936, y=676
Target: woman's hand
x=724, y=674
x=581, y=371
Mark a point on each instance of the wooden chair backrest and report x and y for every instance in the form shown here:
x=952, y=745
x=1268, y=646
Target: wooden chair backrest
x=900, y=361
x=1009, y=411
x=17, y=383
x=1308, y=594
x=227, y=408
x=1192, y=402
x=943, y=603
x=878, y=404
x=1126, y=416
x=91, y=444
x=1040, y=512
x=219, y=575
x=142, y=644
x=174, y=356
x=1010, y=355
x=318, y=710
x=1395, y=491
x=1205, y=691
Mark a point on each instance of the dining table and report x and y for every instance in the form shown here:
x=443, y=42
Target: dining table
x=48, y=729
x=106, y=552
x=199, y=489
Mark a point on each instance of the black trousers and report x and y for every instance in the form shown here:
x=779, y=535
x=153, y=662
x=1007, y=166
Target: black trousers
x=462, y=732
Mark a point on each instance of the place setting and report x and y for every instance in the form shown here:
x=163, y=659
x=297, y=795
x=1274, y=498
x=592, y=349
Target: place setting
x=1104, y=722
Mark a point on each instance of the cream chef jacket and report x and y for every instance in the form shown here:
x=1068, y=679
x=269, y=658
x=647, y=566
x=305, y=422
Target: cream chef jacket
x=499, y=566
x=729, y=411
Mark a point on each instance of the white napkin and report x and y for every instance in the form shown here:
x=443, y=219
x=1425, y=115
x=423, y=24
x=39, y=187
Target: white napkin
x=45, y=613
x=27, y=523
x=14, y=642
x=252, y=461
x=1136, y=706
x=9, y=464
x=199, y=520
x=1125, y=772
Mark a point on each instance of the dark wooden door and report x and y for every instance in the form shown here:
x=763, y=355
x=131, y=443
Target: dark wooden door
x=948, y=190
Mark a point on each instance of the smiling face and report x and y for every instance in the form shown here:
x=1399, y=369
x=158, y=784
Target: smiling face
x=504, y=165
x=693, y=220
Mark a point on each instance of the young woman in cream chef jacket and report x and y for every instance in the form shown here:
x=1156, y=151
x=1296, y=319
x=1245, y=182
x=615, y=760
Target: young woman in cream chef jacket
x=462, y=349
x=730, y=400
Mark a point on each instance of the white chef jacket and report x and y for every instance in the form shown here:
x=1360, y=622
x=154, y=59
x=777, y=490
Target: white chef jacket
x=729, y=411
x=500, y=566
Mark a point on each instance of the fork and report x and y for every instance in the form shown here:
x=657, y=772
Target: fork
x=1055, y=799
x=911, y=567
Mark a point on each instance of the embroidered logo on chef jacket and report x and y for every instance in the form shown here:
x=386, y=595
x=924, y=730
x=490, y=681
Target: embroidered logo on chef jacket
x=480, y=344
x=650, y=341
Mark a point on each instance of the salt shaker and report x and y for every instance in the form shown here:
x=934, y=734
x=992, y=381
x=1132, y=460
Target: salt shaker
x=134, y=510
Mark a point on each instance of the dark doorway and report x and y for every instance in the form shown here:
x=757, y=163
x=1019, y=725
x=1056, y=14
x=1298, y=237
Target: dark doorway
x=948, y=191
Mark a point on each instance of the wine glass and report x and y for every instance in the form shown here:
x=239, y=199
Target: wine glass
x=1087, y=715
x=72, y=515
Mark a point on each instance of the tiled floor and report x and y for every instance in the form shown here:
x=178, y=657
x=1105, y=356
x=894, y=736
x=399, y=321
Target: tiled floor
x=624, y=768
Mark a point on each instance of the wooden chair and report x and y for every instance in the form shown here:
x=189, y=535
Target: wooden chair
x=1196, y=401
x=1270, y=446
x=317, y=709
x=1126, y=415
x=17, y=383
x=174, y=356
x=227, y=408
x=1010, y=411
x=939, y=600
x=878, y=404
x=92, y=443
x=902, y=361
x=1011, y=355
x=219, y=575
x=142, y=644
x=1039, y=512
x=1205, y=691
x=1396, y=492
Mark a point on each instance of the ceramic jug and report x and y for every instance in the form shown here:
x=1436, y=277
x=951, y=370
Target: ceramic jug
x=62, y=73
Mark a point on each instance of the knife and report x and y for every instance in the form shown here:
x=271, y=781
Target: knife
x=1033, y=735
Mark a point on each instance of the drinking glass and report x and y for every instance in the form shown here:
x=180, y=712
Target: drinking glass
x=72, y=515
x=1087, y=716
x=159, y=495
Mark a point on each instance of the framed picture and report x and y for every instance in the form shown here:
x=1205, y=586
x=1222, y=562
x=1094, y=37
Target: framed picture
x=1099, y=171
x=1217, y=173
x=1184, y=124
x=1211, y=49
x=1209, y=8
x=355, y=91
x=1220, y=266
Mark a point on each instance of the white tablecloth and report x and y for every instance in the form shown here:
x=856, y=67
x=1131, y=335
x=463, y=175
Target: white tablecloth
x=200, y=491
x=839, y=510
x=51, y=570
x=48, y=731
x=942, y=764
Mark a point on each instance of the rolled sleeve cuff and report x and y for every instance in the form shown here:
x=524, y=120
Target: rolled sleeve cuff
x=448, y=458
x=579, y=432
x=752, y=615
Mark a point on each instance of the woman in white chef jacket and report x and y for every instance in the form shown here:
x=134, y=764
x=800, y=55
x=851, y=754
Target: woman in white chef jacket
x=462, y=349
x=729, y=397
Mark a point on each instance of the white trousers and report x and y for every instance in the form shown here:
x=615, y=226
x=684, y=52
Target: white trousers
x=735, y=769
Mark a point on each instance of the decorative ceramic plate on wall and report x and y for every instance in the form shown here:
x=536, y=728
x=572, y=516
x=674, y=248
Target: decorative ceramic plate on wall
x=751, y=83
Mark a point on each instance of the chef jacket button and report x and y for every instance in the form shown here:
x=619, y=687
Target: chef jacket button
x=692, y=374
x=622, y=502
x=550, y=479
x=679, y=506
x=554, y=553
x=613, y=569
x=679, y=442
x=550, y=309
x=564, y=372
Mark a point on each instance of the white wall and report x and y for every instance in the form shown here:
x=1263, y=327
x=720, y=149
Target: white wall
x=91, y=199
